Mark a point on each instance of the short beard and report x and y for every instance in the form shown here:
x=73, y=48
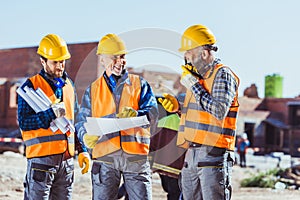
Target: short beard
x=201, y=66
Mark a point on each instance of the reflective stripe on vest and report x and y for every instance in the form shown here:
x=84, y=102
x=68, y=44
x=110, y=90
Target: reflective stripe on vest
x=103, y=103
x=199, y=126
x=43, y=142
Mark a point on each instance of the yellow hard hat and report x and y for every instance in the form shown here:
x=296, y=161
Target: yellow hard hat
x=54, y=48
x=111, y=44
x=196, y=35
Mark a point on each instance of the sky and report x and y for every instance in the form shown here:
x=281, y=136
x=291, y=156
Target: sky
x=255, y=38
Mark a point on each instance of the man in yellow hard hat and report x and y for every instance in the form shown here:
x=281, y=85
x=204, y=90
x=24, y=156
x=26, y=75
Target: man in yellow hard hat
x=117, y=93
x=49, y=152
x=208, y=120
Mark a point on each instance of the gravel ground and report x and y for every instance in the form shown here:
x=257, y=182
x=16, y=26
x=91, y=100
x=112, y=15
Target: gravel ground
x=13, y=168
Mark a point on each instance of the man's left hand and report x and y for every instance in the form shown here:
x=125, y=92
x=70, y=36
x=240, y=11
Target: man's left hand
x=127, y=112
x=187, y=78
x=59, y=109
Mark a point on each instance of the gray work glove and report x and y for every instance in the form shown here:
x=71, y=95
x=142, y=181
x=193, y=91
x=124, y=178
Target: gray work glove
x=59, y=109
x=187, y=78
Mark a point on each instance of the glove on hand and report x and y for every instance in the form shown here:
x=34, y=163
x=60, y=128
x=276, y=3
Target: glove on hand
x=187, y=79
x=169, y=103
x=84, y=158
x=127, y=112
x=190, y=68
x=90, y=141
x=59, y=109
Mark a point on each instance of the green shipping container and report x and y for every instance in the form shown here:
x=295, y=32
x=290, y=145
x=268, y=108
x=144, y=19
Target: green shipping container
x=273, y=86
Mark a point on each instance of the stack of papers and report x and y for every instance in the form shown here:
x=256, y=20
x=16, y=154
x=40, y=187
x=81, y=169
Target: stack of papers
x=103, y=126
x=39, y=102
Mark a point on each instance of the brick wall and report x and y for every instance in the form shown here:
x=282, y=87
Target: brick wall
x=7, y=113
x=24, y=62
x=82, y=66
x=21, y=62
x=278, y=108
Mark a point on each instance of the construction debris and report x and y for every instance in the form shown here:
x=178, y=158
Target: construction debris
x=278, y=178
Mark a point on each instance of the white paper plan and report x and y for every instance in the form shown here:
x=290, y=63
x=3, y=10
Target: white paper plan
x=102, y=126
x=39, y=101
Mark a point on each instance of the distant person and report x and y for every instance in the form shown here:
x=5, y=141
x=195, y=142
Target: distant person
x=167, y=157
x=118, y=93
x=242, y=145
x=50, y=165
x=208, y=119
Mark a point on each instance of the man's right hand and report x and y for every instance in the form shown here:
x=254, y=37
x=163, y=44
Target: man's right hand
x=169, y=103
x=90, y=141
x=59, y=109
x=188, y=79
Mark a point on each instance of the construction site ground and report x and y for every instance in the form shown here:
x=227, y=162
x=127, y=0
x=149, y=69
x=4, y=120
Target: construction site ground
x=13, y=167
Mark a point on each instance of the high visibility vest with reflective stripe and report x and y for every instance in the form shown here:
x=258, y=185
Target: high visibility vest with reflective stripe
x=103, y=103
x=199, y=126
x=43, y=142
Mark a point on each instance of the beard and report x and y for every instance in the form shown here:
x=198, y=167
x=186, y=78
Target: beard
x=200, y=65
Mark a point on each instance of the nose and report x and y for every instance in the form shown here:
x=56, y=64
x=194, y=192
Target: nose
x=59, y=67
x=120, y=61
x=60, y=64
x=187, y=55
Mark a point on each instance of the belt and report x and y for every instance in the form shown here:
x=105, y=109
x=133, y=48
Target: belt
x=131, y=159
x=194, y=145
x=215, y=151
x=137, y=158
x=106, y=159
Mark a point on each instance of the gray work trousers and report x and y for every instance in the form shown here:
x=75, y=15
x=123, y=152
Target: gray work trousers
x=49, y=178
x=107, y=172
x=206, y=176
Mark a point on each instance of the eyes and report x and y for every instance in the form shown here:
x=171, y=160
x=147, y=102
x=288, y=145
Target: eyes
x=115, y=57
x=53, y=62
x=60, y=62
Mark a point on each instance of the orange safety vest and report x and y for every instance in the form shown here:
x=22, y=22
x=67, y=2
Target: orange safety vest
x=43, y=142
x=132, y=141
x=199, y=126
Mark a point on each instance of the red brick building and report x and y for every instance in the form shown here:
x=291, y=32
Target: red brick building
x=272, y=124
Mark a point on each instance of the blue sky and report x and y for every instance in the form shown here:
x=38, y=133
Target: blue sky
x=255, y=38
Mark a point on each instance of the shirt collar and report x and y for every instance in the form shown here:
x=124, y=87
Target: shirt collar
x=57, y=83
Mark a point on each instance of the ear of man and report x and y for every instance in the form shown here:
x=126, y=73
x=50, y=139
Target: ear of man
x=205, y=54
x=43, y=62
